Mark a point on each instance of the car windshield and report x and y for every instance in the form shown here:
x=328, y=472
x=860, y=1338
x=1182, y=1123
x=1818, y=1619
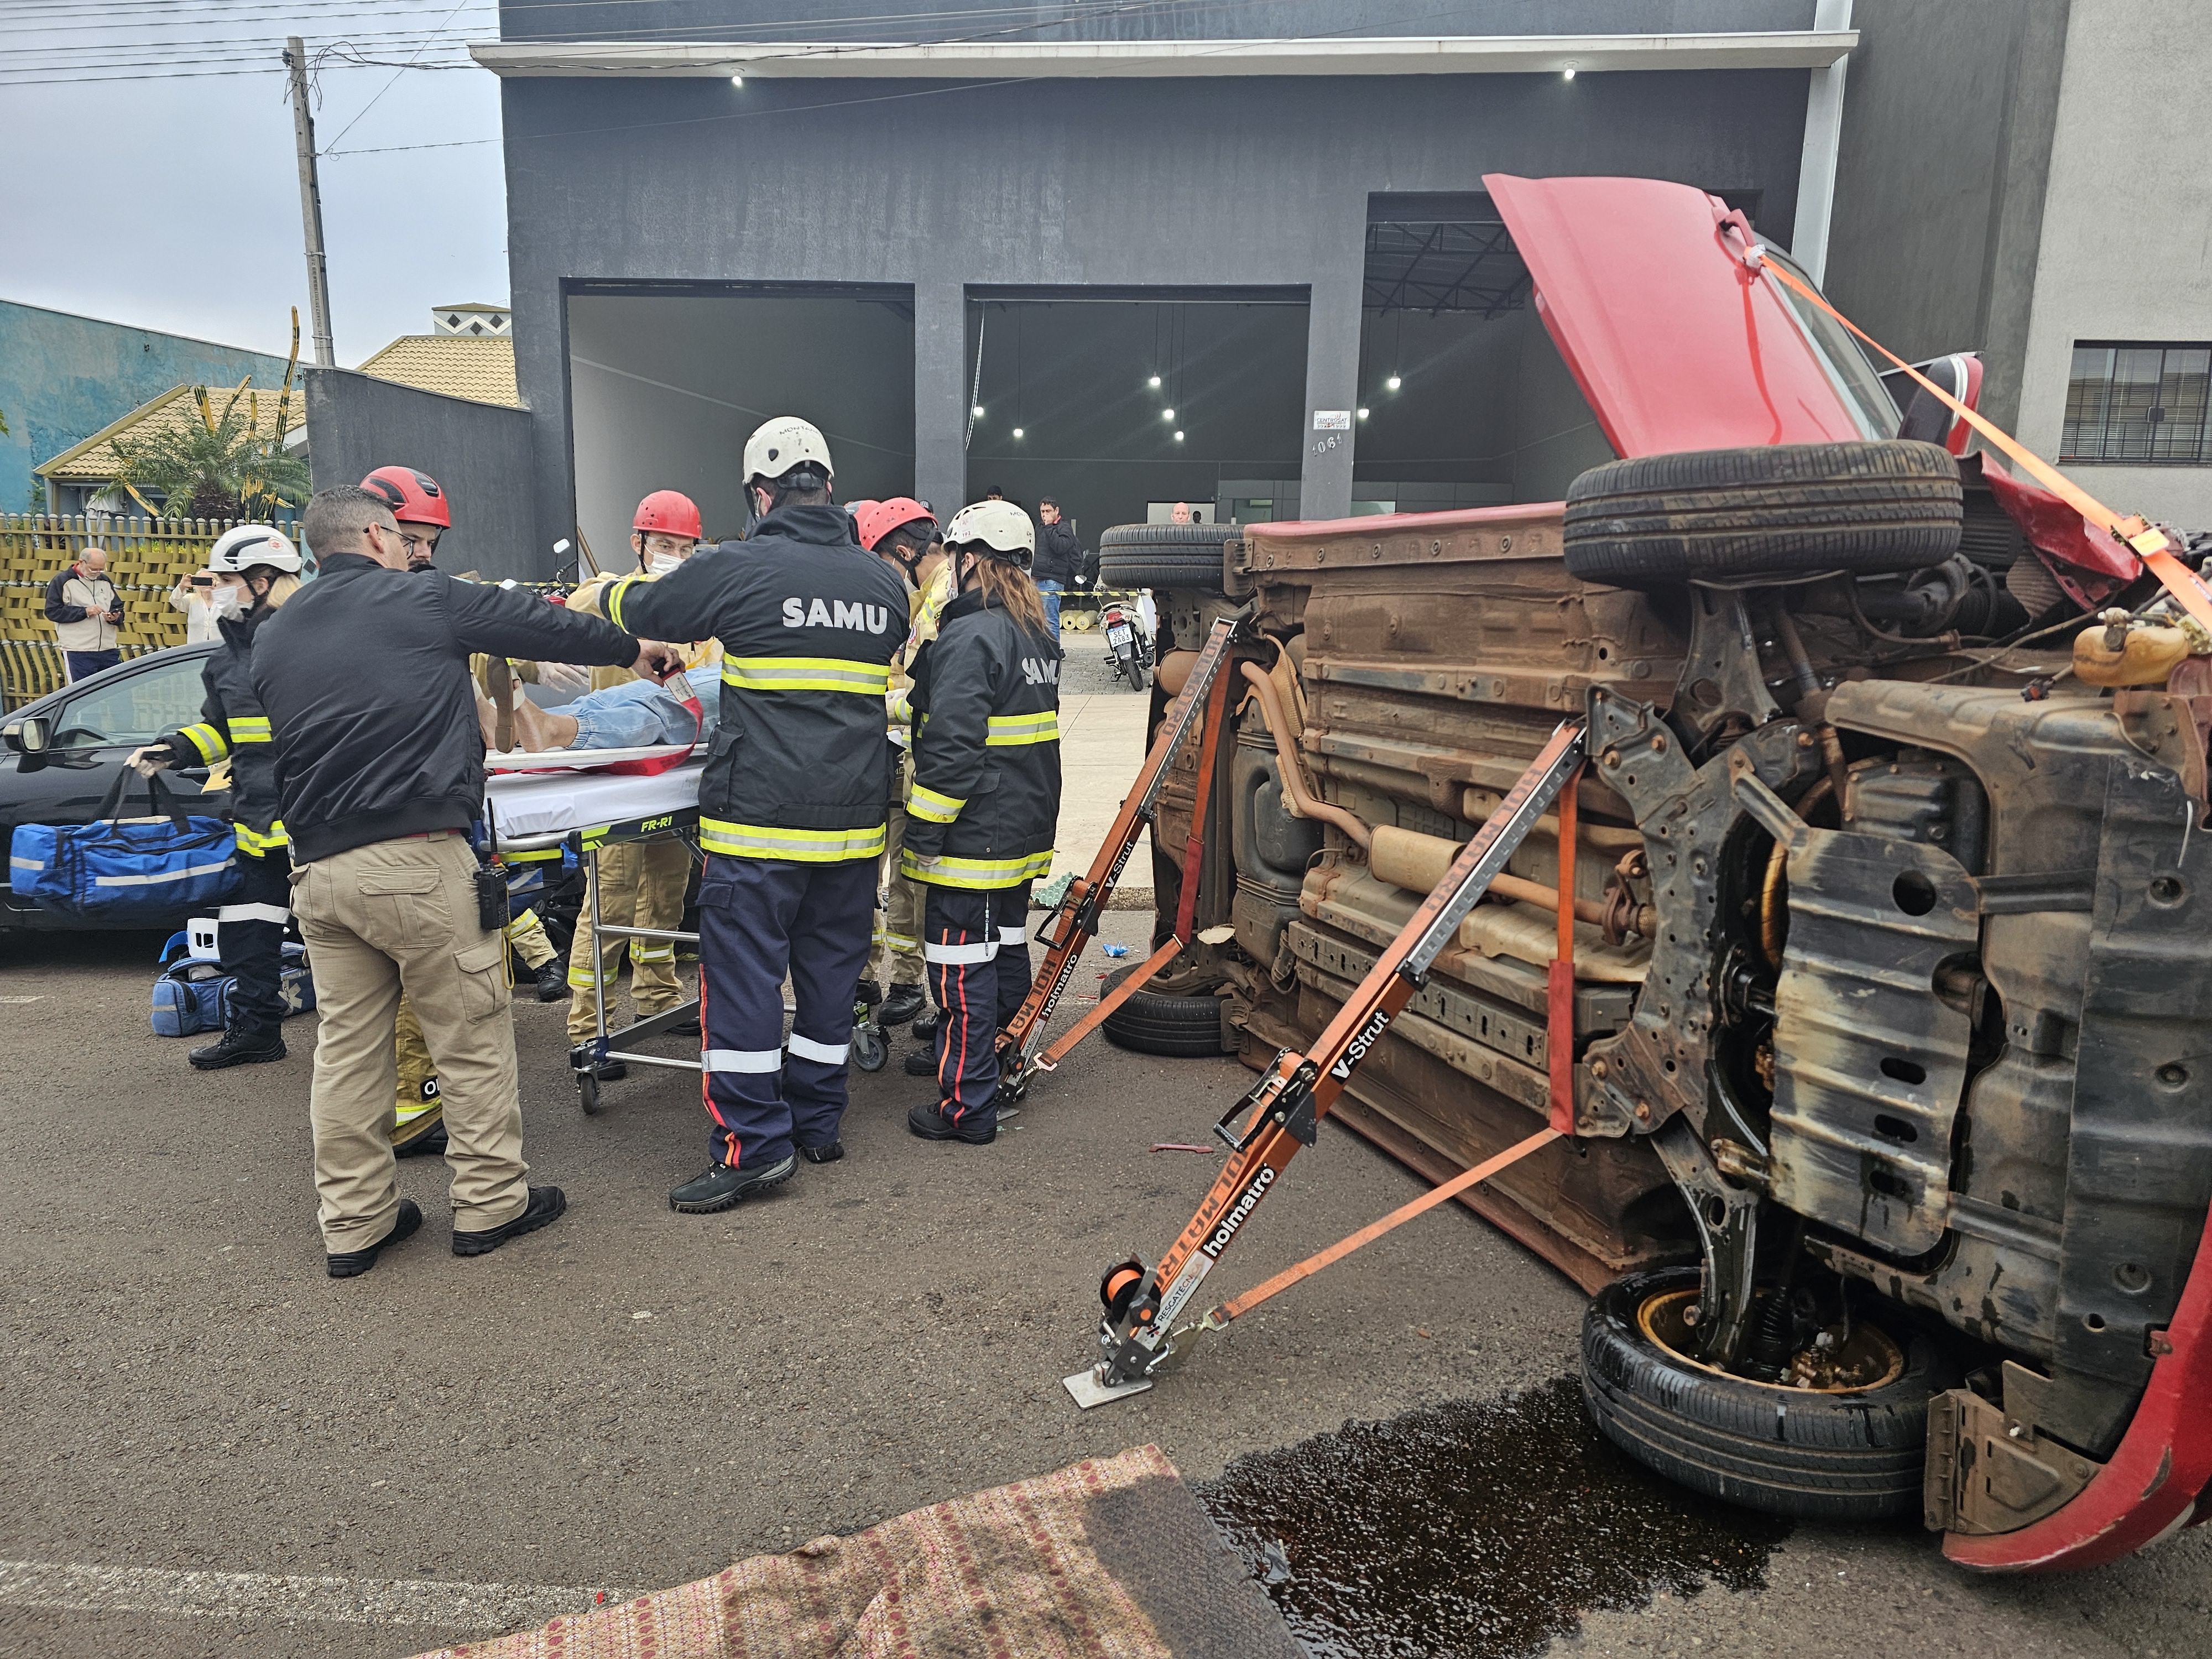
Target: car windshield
x=163, y=696
x=1840, y=355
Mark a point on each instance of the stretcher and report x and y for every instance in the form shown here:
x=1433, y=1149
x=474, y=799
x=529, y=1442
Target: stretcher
x=539, y=804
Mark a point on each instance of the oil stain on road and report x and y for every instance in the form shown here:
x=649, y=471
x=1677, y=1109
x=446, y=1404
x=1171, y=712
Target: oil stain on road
x=1475, y=1530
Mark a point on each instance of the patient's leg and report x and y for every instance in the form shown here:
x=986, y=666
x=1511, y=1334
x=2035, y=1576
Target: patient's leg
x=541, y=729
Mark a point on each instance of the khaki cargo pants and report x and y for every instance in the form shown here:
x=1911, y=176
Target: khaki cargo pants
x=641, y=884
x=377, y=918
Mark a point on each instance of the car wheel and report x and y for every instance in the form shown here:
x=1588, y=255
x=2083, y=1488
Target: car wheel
x=1783, y=510
x=1841, y=1454
x=1158, y=1023
x=1180, y=556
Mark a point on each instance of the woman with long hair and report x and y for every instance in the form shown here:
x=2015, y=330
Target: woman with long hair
x=985, y=807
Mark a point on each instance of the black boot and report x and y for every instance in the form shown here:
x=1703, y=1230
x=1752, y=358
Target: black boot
x=904, y=1002
x=931, y=1124
x=424, y=1142
x=543, y=1208
x=239, y=1048
x=719, y=1186
x=553, y=980
x=922, y=1062
x=924, y=1031
x=829, y=1154
x=352, y=1264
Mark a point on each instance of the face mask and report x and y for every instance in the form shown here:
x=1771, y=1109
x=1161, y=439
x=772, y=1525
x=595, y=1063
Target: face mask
x=660, y=564
x=223, y=602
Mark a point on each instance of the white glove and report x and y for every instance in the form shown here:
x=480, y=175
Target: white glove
x=563, y=676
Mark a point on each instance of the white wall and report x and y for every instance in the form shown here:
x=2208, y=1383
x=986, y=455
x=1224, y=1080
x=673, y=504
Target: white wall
x=2127, y=224
x=666, y=390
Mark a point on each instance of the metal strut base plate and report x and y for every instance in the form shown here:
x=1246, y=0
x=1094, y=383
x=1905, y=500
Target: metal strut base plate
x=1089, y=1391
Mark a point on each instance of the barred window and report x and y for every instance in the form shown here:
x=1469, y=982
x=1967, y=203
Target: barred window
x=2139, y=401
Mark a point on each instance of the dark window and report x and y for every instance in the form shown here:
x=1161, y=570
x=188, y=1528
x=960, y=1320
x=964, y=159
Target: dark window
x=2139, y=401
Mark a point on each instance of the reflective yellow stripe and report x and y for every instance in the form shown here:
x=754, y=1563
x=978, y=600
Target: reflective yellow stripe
x=252, y=840
x=205, y=739
x=755, y=840
x=542, y=854
x=247, y=735
x=243, y=726
x=806, y=674
x=1007, y=729
x=931, y=807
x=976, y=872
x=640, y=951
x=613, y=602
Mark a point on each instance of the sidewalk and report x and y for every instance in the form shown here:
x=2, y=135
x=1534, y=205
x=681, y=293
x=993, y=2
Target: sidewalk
x=1102, y=748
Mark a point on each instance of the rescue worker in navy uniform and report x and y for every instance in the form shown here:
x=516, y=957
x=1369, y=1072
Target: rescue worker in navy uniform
x=256, y=569
x=793, y=811
x=986, y=804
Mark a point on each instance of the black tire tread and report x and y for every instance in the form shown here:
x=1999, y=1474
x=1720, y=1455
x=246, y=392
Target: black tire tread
x=1815, y=1456
x=1155, y=1023
x=1786, y=509
x=1177, y=555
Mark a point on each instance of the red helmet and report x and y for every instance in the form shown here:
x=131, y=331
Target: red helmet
x=878, y=519
x=415, y=496
x=669, y=513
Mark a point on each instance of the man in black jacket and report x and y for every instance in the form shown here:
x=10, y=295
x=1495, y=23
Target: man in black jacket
x=1059, y=559
x=380, y=770
x=793, y=806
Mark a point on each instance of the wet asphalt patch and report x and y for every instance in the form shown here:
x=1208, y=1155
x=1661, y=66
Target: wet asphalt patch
x=1472, y=1530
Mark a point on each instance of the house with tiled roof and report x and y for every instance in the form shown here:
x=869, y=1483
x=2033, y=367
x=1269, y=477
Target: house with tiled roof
x=469, y=355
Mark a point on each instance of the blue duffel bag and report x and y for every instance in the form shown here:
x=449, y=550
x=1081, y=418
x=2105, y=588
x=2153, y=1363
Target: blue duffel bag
x=126, y=870
x=193, y=994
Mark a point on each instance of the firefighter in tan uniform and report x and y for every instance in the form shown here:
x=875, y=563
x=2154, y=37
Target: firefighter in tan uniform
x=641, y=884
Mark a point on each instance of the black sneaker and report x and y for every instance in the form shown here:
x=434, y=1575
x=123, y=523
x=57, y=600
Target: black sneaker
x=553, y=980
x=922, y=1062
x=933, y=1125
x=719, y=1186
x=238, y=1048
x=904, y=1002
x=544, y=1208
x=829, y=1154
x=351, y=1264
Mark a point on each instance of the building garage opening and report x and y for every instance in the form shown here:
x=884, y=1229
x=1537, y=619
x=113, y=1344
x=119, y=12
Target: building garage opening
x=1118, y=404
x=666, y=381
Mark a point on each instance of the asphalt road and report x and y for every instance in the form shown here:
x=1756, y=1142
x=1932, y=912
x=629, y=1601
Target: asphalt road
x=632, y=1398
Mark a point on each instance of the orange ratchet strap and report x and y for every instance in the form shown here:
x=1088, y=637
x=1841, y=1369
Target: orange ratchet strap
x=2144, y=539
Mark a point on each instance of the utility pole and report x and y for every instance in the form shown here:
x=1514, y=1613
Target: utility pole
x=311, y=205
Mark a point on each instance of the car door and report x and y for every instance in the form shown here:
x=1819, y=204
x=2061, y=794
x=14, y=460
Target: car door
x=93, y=729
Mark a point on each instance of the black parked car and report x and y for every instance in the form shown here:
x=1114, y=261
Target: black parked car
x=64, y=752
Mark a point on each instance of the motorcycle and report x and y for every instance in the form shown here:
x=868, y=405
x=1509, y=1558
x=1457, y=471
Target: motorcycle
x=1128, y=643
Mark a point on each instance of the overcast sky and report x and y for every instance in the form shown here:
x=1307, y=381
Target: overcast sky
x=170, y=200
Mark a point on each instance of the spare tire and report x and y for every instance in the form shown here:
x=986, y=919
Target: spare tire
x=1185, y=556
x=1804, y=1452
x=1158, y=1023
x=1783, y=510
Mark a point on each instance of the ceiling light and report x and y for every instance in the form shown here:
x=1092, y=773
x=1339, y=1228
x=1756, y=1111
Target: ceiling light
x=737, y=80
x=1178, y=437
x=1569, y=73
x=1167, y=414
x=1017, y=432
x=1363, y=414
x=1156, y=379
x=977, y=411
x=1393, y=383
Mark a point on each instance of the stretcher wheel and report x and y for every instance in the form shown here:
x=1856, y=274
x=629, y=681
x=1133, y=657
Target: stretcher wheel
x=870, y=1051
x=588, y=1093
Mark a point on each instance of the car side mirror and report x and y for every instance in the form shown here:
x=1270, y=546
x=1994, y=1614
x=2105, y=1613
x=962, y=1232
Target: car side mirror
x=26, y=737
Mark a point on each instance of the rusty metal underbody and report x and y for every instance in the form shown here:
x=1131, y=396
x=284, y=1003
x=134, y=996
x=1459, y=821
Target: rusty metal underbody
x=1933, y=989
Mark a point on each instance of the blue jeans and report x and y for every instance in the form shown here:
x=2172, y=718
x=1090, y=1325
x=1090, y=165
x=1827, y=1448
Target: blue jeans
x=641, y=714
x=1052, y=590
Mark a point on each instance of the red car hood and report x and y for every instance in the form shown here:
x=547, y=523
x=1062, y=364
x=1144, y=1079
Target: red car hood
x=1676, y=343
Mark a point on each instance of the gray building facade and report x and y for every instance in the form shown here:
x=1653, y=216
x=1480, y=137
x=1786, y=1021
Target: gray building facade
x=983, y=177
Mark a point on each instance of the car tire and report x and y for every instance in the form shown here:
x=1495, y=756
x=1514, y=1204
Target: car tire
x=1158, y=1023
x=1783, y=510
x=1799, y=1452
x=1186, y=556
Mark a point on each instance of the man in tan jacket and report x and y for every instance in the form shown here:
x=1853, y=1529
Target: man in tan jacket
x=83, y=605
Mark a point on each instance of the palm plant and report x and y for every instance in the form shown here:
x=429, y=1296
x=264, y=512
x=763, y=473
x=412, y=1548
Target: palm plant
x=216, y=466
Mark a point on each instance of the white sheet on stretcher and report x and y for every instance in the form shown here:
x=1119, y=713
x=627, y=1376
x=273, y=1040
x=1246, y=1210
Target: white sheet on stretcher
x=529, y=807
x=577, y=760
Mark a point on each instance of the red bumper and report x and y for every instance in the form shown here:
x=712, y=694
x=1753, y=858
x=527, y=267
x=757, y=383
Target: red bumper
x=2152, y=1484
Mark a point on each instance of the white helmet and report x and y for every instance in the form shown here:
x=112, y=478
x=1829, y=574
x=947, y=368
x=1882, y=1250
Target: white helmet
x=778, y=446
x=997, y=530
x=251, y=545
